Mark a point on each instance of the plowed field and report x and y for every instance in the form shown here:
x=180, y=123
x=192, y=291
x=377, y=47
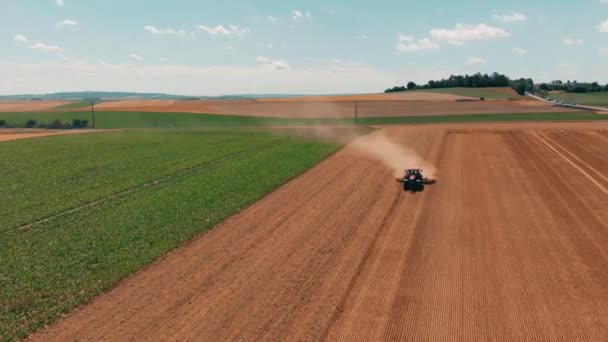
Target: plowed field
x=27, y=106
x=332, y=108
x=510, y=244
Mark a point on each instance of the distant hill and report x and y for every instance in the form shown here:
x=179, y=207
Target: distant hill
x=102, y=95
x=112, y=95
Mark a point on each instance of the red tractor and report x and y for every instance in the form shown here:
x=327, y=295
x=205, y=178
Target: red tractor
x=414, y=181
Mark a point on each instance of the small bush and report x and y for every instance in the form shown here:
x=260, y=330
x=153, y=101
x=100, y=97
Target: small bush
x=77, y=123
x=482, y=98
x=30, y=123
x=55, y=124
x=84, y=123
x=2, y=122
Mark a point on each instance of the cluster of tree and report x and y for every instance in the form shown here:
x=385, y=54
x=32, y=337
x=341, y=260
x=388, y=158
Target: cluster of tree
x=56, y=124
x=522, y=85
x=573, y=87
x=467, y=81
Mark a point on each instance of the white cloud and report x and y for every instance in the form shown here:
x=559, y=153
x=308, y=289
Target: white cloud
x=164, y=60
x=66, y=23
x=37, y=45
x=405, y=38
x=298, y=15
x=603, y=1
x=167, y=31
x=21, y=39
x=520, y=51
x=603, y=27
x=59, y=3
x=362, y=36
x=408, y=44
x=475, y=61
x=464, y=32
x=136, y=57
x=604, y=51
x=45, y=47
x=272, y=19
x=224, y=31
x=273, y=63
x=510, y=18
x=572, y=41
x=229, y=47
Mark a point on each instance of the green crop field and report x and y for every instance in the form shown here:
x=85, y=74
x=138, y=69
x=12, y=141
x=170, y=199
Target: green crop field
x=81, y=212
x=488, y=93
x=591, y=99
x=148, y=119
x=184, y=120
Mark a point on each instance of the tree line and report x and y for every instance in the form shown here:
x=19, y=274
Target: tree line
x=477, y=80
x=573, y=87
x=55, y=124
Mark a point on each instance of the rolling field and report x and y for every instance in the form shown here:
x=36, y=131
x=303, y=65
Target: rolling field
x=510, y=244
x=111, y=120
x=22, y=106
x=81, y=212
x=591, y=99
x=488, y=93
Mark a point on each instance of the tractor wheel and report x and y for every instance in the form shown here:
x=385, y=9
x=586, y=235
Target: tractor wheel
x=421, y=188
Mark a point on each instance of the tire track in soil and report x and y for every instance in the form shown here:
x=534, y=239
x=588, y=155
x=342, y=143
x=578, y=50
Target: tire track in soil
x=568, y=160
x=573, y=261
x=369, y=302
x=597, y=176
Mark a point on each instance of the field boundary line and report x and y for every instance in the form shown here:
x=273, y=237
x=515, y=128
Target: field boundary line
x=208, y=165
x=593, y=180
x=591, y=168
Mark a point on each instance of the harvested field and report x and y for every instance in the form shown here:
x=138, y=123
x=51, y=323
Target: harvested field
x=26, y=106
x=510, y=244
x=401, y=96
x=341, y=109
x=128, y=104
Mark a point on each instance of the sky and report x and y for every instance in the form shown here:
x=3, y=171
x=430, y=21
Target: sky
x=200, y=47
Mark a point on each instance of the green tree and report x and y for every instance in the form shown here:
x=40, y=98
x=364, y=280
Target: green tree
x=411, y=85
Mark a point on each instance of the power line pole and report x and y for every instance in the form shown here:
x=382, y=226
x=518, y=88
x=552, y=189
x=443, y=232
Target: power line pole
x=93, y=112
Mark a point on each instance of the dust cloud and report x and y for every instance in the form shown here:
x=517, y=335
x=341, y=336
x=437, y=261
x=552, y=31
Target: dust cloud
x=375, y=145
x=372, y=145
x=393, y=155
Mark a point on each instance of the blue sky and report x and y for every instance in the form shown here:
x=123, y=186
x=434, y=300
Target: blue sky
x=214, y=47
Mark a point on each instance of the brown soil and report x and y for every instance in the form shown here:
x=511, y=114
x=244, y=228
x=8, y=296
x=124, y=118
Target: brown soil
x=15, y=134
x=402, y=96
x=128, y=104
x=510, y=244
x=338, y=109
x=25, y=106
